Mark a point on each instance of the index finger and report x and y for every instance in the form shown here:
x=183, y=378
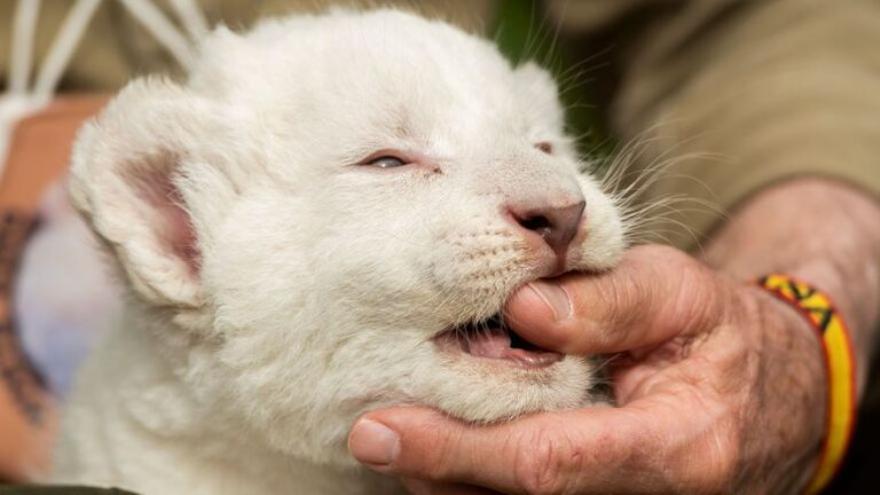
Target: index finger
x=583, y=450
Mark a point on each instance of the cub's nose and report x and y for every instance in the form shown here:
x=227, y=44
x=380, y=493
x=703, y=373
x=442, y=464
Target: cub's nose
x=557, y=225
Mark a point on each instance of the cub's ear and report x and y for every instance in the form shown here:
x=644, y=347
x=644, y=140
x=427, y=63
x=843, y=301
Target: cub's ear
x=536, y=85
x=130, y=180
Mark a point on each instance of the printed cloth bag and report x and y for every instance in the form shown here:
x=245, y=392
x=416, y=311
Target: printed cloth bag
x=37, y=156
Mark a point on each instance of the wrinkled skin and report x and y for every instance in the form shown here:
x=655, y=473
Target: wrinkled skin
x=721, y=388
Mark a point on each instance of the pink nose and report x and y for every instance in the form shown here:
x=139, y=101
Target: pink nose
x=556, y=225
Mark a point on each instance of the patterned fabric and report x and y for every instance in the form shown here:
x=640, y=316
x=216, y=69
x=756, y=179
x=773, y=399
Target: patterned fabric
x=27, y=409
x=840, y=366
x=21, y=377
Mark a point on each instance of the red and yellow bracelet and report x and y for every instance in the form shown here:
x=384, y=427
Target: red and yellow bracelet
x=840, y=365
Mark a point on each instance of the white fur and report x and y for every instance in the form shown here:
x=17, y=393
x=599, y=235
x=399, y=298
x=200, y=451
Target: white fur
x=318, y=284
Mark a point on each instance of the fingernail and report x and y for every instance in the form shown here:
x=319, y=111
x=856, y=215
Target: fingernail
x=554, y=297
x=371, y=442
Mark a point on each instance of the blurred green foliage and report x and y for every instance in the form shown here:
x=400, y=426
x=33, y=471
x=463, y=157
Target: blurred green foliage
x=523, y=32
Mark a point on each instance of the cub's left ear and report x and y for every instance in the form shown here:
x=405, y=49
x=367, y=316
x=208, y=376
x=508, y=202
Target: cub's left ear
x=132, y=177
x=536, y=85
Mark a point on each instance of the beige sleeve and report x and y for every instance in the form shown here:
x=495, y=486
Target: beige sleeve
x=116, y=47
x=745, y=94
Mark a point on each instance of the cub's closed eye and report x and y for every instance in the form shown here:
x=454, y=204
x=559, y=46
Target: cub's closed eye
x=385, y=161
x=545, y=146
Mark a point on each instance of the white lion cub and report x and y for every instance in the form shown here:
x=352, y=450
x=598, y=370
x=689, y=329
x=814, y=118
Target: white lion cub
x=324, y=219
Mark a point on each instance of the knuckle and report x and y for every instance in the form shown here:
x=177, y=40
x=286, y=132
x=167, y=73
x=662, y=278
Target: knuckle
x=438, y=463
x=543, y=463
x=438, y=457
x=673, y=263
x=665, y=256
x=696, y=298
x=669, y=285
x=605, y=312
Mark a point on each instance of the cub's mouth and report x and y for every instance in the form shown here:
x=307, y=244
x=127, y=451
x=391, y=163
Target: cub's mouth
x=493, y=339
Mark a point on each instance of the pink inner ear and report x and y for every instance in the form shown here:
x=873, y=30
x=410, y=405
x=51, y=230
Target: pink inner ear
x=169, y=218
x=180, y=234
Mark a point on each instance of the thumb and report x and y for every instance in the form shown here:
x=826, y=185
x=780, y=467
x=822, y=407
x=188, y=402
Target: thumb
x=653, y=295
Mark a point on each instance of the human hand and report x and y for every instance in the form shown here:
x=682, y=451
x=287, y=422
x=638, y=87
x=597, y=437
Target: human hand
x=719, y=388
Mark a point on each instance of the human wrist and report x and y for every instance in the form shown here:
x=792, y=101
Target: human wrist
x=816, y=307
x=818, y=231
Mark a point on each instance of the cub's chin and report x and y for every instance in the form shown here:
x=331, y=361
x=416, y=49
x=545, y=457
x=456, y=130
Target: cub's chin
x=494, y=375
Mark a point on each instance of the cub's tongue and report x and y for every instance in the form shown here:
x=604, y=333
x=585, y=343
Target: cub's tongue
x=492, y=339
x=494, y=345
x=497, y=344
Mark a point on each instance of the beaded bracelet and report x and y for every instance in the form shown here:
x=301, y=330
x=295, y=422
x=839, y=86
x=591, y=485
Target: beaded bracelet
x=840, y=365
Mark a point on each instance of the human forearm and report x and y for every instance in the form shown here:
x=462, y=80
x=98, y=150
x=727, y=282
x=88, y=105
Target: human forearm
x=748, y=98
x=819, y=230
